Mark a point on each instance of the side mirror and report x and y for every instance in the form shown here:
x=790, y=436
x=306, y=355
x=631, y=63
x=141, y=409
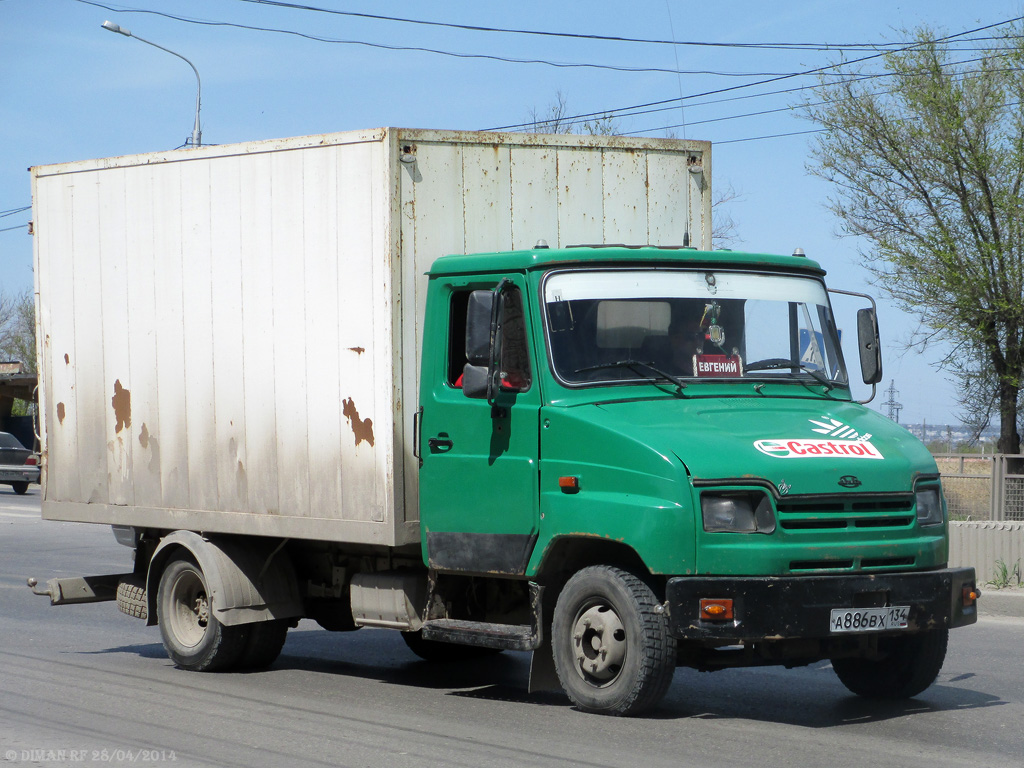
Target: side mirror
x=870, y=346
x=474, y=381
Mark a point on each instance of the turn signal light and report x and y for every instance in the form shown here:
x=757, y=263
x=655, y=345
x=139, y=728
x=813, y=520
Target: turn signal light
x=569, y=484
x=715, y=610
x=970, y=596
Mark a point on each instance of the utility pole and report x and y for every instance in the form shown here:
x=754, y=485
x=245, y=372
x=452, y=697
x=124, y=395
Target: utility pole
x=893, y=406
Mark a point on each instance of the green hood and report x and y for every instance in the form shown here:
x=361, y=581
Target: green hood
x=800, y=446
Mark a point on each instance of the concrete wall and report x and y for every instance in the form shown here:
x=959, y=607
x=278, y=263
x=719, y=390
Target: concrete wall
x=981, y=544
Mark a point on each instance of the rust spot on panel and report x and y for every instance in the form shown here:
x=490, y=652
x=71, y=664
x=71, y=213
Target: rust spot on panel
x=154, y=461
x=122, y=402
x=67, y=360
x=144, y=437
x=357, y=350
x=361, y=428
x=241, y=482
x=60, y=412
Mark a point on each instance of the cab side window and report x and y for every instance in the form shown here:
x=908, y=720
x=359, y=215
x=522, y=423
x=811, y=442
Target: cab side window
x=515, y=356
x=457, y=337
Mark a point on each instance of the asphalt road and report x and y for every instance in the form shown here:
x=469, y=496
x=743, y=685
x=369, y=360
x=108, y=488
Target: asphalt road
x=86, y=684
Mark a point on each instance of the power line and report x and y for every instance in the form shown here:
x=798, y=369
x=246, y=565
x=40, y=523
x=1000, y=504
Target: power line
x=782, y=46
x=10, y=229
x=424, y=49
x=772, y=136
x=13, y=211
x=460, y=55
x=786, y=108
x=620, y=112
x=612, y=112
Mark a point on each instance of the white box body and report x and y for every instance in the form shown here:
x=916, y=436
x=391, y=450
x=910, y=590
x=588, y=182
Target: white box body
x=229, y=336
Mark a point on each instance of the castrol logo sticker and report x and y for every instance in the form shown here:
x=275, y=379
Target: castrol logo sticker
x=803, y=448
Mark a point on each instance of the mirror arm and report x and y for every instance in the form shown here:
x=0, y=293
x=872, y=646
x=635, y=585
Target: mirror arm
x=874, y=312
x=867, y=296
x=874, y=388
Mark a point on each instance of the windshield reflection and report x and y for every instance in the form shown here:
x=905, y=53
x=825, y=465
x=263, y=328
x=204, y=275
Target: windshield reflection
x=614, y=326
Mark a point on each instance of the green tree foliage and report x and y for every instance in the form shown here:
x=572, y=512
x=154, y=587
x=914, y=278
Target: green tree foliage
x=928, y=164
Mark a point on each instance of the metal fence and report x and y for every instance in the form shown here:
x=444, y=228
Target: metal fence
x=983, y=487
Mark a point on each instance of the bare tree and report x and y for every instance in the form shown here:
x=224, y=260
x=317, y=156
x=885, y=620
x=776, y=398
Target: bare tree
x=18, y=328
x=557, y=119
x=724, y=229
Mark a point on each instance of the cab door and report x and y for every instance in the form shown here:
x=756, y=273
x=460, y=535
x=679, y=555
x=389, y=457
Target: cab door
x=479, y=479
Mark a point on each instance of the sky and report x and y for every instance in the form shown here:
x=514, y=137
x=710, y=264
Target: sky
x=71, y=90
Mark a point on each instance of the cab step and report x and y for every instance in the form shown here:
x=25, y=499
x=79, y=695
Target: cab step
x=482, y=634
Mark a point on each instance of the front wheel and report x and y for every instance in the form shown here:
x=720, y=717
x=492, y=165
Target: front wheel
x=908, y=665
x=194, y=638
x=612, y=649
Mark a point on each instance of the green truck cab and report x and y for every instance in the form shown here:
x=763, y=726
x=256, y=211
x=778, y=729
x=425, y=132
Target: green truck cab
x=665, y=444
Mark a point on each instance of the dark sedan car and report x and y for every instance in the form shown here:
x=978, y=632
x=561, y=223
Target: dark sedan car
x=18, y=465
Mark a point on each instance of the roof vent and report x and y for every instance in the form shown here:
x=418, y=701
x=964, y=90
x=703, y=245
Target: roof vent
x=541, y=244
x=799, y=252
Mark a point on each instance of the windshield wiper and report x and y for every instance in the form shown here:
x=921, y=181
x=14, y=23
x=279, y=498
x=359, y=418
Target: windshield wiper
x=775, y=363
x=637, y=366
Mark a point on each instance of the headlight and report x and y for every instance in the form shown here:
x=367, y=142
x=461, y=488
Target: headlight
x=929, y=506
x=737, y=513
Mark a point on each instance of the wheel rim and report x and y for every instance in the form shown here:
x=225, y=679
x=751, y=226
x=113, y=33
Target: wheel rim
x=190, y=609
x=599, y=644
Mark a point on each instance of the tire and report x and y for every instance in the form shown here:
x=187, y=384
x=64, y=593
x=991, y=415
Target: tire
x=20, y=488
x=192, y=636
x=435, y=650
x=264, y=644
x=612, y=650
x=131, y=597
x=909, y=666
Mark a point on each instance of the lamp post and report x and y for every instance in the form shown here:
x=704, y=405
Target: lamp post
x=196, y=133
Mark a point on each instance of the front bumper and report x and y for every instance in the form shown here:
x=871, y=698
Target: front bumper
x=790, y=607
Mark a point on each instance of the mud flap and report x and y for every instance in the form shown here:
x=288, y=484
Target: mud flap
x=543, y=675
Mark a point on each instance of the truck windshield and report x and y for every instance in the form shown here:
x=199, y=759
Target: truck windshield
x=617, y=326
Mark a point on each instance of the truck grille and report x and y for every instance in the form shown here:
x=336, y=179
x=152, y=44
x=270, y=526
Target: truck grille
x=833, y=514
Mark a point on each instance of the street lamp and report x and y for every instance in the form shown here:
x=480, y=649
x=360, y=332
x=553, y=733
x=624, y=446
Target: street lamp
x=196, y=133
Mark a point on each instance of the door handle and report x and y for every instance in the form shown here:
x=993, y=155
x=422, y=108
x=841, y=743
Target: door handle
x=440, y=444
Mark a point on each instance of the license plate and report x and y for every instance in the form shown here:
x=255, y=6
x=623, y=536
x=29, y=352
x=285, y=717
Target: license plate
x=869, y=619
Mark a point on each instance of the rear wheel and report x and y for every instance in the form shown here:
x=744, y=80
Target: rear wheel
x=910, y=664
x=131, y=596
x=192, y=636
x=20, y=488
x=612, y=649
